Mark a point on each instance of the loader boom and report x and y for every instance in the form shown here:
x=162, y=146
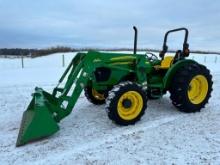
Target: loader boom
x=49, y=109
x=77, y=76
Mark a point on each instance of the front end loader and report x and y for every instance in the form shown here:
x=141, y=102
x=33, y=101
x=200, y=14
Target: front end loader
x=124, y=82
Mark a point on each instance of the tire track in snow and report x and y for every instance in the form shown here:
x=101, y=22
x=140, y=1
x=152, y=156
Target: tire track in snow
x=113, y=137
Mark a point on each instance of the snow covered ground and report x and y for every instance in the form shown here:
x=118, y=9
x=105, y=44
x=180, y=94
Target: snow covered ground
x=163, y=136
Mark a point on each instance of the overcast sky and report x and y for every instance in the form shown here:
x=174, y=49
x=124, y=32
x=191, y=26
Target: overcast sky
x=105, y=23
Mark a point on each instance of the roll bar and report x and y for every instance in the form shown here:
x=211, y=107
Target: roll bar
x=185, y=50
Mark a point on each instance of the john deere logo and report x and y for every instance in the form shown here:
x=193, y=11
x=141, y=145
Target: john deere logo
x=97, y=60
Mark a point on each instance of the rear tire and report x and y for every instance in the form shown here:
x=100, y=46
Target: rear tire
x=191, y=88
x=126, y=103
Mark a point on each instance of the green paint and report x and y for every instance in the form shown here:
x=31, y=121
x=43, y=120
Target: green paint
x=46, y=110
x=170, y=73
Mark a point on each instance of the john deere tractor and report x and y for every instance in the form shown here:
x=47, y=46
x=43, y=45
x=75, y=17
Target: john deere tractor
x=122, y=81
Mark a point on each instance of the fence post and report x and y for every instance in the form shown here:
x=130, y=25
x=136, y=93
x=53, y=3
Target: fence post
x=63, y=60
x=22, y=61
x=216, y=59
x=205, y=59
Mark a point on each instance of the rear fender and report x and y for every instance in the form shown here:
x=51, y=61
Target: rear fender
x=171, y=72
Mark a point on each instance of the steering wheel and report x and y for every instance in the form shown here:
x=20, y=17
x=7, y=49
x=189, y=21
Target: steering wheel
x=152, y=56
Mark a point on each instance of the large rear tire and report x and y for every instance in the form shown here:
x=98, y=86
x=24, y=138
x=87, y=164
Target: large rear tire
x=126, y=103
x=191, y=88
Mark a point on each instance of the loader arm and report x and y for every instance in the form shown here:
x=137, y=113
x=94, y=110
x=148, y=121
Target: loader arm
x=45, y=110
x=78, y=74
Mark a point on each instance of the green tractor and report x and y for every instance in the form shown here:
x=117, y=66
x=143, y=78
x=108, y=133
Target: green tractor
x=124, y=82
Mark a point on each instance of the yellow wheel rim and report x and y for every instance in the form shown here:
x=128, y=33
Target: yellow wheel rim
x=135, y=107
x=97, y=95
x=198, y=89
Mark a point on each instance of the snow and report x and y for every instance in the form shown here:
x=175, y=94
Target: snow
x=163, y=136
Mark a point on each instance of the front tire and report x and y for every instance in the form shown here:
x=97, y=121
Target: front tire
x=191, y=88
x=126, y=103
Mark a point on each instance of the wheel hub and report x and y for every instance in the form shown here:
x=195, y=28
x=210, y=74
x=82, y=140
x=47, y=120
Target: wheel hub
x=127, y=103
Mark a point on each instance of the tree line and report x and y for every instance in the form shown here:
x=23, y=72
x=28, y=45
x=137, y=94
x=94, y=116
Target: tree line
x=34, y=52
x=58, y=49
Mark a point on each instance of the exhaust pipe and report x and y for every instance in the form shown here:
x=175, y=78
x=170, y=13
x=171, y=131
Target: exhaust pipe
x=135, y=39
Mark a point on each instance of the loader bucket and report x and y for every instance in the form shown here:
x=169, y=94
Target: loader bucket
x=38, y=121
